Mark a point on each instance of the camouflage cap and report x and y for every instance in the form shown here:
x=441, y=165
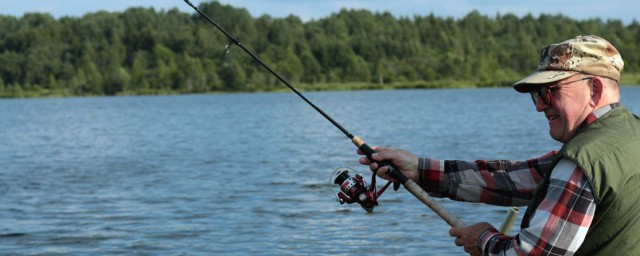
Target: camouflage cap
x=583, y=54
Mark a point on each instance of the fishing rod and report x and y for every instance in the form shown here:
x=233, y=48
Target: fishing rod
x=353, y=189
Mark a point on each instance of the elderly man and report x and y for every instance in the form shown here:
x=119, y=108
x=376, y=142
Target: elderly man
x=582, y=199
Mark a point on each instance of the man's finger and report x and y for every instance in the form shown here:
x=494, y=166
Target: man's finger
x=454, y=232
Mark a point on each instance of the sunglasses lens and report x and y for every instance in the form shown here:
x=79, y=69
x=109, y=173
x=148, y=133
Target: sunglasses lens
x=545, y=94
x=541, y=93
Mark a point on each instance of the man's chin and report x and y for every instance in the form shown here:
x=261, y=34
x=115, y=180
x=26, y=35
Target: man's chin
x=556, y=137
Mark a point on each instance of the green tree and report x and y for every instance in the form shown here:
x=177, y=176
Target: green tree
x=116, y=81
x=212, y=80
x=2, y=87
x=95, y=81
x=233, y=76
x=144, y=50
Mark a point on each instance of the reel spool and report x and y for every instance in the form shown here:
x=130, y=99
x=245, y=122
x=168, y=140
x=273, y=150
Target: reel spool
x=353, y=188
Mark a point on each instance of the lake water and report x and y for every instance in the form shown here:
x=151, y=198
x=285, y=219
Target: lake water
x=242, y=174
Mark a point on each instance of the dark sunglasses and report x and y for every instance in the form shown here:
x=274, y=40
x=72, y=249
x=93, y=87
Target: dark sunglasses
x=544, y=92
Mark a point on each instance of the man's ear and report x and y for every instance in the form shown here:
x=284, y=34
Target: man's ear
x=597, y=86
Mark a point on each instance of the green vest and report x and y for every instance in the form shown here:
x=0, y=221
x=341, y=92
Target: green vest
x=608, y=151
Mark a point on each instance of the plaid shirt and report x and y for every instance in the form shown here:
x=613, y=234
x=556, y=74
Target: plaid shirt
x=560, y=223
x=558, y=226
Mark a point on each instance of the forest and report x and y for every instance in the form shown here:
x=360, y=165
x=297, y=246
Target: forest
x=148, y=51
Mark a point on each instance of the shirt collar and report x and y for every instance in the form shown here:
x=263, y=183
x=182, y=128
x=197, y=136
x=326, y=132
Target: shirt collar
x=591, y=118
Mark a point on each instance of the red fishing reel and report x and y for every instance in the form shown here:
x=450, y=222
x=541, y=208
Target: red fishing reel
x=353, y=189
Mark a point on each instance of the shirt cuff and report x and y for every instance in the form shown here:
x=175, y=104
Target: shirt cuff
x=430, y=175
x=423, y=164
x=485, y=238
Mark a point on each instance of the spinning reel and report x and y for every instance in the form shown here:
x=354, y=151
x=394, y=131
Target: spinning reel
x=353, y=188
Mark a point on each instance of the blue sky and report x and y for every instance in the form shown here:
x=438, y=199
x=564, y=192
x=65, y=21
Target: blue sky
x=623, y=10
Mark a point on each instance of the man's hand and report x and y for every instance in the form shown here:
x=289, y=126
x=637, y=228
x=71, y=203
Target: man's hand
x=468, y=236
x=403, y=160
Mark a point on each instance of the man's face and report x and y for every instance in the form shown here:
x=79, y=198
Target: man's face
x=566, y=105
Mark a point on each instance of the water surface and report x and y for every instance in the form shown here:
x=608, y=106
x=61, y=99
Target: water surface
x=240, y=174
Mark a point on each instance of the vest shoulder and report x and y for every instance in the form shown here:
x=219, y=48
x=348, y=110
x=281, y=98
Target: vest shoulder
x=617, y=130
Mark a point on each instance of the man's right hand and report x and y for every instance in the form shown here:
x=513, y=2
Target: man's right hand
x=401, y=159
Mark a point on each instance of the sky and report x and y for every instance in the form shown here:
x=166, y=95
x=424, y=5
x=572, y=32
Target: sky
x=623, y=10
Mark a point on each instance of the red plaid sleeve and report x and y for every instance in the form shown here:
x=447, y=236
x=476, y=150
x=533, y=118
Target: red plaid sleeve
x=558, y=226
x=498, y=182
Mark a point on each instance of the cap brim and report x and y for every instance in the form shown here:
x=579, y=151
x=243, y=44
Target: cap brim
x=539, y=78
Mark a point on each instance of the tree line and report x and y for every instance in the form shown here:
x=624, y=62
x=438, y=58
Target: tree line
x=148, y=51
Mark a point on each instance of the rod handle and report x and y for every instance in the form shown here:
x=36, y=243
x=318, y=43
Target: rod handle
x=445, y=214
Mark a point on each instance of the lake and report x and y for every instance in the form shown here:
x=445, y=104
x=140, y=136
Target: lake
x=243, y=174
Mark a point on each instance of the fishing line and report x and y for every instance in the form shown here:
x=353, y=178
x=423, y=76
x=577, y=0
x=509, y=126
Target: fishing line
x=352, y=182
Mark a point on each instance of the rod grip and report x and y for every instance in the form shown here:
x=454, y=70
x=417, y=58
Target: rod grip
x=445, y=214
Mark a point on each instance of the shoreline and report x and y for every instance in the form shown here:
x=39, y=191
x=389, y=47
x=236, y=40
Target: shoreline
x=46, y=93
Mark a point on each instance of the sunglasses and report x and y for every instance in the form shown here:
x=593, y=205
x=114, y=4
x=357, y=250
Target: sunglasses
x=544, y=92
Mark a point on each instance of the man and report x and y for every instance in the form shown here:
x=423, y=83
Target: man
x=582, y=199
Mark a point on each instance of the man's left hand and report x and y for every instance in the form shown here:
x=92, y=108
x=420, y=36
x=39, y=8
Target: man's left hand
x=468, y=236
